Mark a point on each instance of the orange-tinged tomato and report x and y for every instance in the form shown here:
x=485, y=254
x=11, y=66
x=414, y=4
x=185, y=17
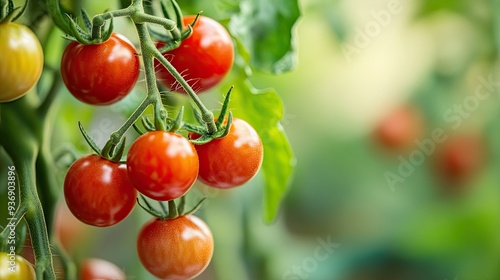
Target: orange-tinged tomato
x=399, y=130
x=162, y=165
x=21, y=60
x=233, y=160
x=92, y=269
x=178, y=248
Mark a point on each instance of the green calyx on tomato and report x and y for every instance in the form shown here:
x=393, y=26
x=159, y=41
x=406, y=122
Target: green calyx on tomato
x=100, y=74
x=21, y=60
x=178, y=248
x=203, y=59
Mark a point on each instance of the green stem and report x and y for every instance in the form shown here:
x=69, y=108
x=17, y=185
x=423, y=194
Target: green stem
x=145, y=18
x=35, y=218
x=207, y=115
x=69, y=267
x=153, y=94
x=12, y=222
x=4, y=4
x=117, y=135
x=99, y=20
x=21, y=130
x=58, y=15
x=46, y=105
x=47, y=183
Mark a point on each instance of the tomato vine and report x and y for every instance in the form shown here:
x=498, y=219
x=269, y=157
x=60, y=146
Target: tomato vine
x=27, y=124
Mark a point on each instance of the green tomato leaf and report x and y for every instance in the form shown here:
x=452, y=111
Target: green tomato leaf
x=266, y=29
x=263, y=109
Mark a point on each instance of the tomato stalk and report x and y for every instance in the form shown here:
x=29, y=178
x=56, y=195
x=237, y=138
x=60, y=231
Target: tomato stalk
x=153, y=97
x=150, y=52
x=15, y=220
x=207, y=115
x=35, y=219
x=22, y=133
x=58, y=16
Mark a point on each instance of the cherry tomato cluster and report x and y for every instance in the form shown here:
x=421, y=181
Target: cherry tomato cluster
x=161, y=165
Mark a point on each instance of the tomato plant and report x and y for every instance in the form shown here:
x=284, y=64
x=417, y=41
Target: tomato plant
x=98, y=191
x=204, y=58
x=179, y=248
x=399, y=129
x=15, y=267
x=162, y=165
x=100, y=67
x=21, y=60
x=233, y=160
x=91, y=269
x=100, y=74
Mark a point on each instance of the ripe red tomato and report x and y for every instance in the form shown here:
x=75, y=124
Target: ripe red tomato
x=100, y=74
x=399, y=129
x=162, y=165
x=21, y=60
x=91, y=269
x=233, y=160
x=179, y=248
x=98, y=191
x=459, y=158
x=203, y=59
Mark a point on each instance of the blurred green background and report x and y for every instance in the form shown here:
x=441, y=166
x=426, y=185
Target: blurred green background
x=357, y=62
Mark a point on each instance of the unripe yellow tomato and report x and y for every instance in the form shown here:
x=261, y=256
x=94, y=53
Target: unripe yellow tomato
x=15, y=267
x=21, y=60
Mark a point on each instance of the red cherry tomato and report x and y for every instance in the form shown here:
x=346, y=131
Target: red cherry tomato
x=459, y=158
x=399, y=129
x=100, y=74
x=203, y=59
x=179, y=248
x=233, y=160
x=162, y=165
x=92, y=269
x=98, y=191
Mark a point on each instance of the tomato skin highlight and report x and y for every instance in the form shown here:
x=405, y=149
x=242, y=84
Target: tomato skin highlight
x=92, y=269
x=21, y=61
x=175, y=249
x=162, y=165
x=203, y=59
x=23, y=270
x=233, y=160
x=100, y=74
x=98, y=191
